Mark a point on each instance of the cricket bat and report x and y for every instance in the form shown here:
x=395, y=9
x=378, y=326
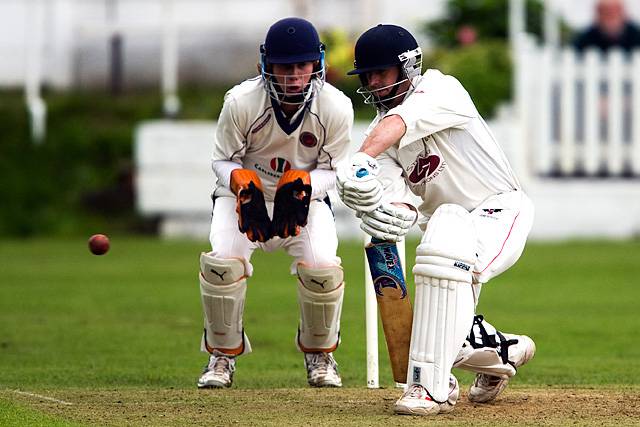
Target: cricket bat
x=394, y=303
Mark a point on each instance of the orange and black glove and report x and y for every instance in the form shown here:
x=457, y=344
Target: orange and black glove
x=291, y=205
x=253, y=219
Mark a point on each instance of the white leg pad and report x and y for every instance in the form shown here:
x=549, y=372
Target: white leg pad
x=444, y=303
x=320, y=293
x=487, y=351
x=223, y=286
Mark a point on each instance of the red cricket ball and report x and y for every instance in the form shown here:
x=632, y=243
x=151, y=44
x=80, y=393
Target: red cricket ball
x=98, y=244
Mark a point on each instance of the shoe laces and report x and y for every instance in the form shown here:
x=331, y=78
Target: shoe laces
x=221, y=365
x=416, y=391
x=320, y=361
x=488, y=381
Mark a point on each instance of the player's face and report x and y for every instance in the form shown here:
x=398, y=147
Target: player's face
x=293, y=78
x=380, y=81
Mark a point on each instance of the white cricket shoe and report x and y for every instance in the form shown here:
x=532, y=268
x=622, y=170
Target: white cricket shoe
x=322, y=370
x=417, y=401
x=454, y=394
x=218, y=373
x=486, y=387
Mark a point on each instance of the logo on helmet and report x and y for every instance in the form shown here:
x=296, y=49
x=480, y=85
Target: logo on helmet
x=308, y=139
x=279, y=164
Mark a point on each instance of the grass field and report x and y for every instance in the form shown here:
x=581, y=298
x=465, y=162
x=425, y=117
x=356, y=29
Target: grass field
x=114, y=340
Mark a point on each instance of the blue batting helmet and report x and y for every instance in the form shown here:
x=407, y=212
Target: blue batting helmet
x=381, y=47
x=292, y=40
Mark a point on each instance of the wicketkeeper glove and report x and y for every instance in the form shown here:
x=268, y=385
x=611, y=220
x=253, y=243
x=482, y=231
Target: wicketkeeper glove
x=291, y=204
x=388, y=222
x=253, y=219
x=357, y=183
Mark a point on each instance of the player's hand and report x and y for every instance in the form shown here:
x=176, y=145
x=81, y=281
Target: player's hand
x=357, y=183
x=253, y=219
x=389, y=222
x=291, y=205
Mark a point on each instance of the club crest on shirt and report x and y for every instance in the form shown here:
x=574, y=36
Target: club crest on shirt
x=278, y=164
x=424, y=166
x=308, y=139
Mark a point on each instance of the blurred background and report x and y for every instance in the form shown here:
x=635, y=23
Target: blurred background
x=108, y=107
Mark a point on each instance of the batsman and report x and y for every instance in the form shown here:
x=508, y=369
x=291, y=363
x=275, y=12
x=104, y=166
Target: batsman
x=429, y=138
x=278, y=140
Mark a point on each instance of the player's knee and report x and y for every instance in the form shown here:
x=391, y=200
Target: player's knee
x=221, y=271
x=320, y=279
x=448, y=247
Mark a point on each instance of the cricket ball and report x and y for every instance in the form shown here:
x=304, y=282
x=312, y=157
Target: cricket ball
x=98, y=244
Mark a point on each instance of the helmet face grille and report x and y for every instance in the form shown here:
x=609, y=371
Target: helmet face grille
x=280, y=92
x=291, y=41
x=410, y=67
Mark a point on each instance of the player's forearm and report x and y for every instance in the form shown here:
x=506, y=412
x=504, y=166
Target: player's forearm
x=384, y=135
x=322, y=180
x=222, y=169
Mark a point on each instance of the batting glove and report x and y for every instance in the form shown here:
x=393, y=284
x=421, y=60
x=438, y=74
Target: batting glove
x=357, y=183
x=388, y=222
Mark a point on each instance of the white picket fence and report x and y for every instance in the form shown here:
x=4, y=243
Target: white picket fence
x=580, y=113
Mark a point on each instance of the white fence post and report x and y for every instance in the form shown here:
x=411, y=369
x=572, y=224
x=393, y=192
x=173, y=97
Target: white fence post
x=614, y=112
x=635, y=117
x=543, y=158
x=171, y=102
x=592, y=115
x=567, y=152
x=33, y=71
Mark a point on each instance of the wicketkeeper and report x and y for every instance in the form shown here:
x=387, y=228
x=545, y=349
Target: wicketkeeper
x=278, y=140
x=429, y=137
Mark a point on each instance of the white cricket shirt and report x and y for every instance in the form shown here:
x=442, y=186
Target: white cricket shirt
x=255, y=135
x=448, y=154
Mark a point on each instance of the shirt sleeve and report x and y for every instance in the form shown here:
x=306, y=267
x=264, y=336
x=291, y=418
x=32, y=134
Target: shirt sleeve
x=338, y=137
x=230, y=142
x=437, y=105
x=222, y=170
x=322, y=180
x=391, y=177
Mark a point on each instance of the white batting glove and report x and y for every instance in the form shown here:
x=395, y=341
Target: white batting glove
x=357, y=184
x=388, y=222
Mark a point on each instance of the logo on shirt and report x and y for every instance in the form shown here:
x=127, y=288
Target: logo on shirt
x=492, y=211
x=261, y=125
x=424, y=166
x=279, y=164
x=308, y=139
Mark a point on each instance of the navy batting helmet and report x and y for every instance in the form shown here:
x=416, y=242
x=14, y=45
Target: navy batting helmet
x=382, y=47
x=291, y=41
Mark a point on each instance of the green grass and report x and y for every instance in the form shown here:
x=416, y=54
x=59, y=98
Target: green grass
x=132, y=318
x=16, y=415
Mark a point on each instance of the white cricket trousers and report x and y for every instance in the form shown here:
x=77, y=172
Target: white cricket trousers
x=502, y=223
x=316, y=245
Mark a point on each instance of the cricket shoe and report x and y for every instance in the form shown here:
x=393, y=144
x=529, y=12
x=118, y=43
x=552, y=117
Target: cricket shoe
x=322, y=370
x=417, y=401
x=218, y=373
x=486, y=387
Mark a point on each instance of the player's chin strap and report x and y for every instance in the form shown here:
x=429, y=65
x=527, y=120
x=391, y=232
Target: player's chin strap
x=490, y=340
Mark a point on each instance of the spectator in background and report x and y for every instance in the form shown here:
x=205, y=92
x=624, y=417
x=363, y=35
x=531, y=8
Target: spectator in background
x=611, y=29
x=466, y=35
